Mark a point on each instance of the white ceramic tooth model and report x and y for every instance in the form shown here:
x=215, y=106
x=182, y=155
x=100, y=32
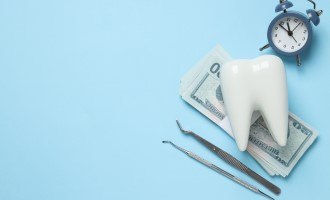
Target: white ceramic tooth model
x=258, y=84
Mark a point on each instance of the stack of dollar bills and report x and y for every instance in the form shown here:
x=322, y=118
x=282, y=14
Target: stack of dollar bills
x=200, y=87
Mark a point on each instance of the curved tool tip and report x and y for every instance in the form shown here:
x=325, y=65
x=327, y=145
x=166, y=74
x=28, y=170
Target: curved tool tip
x=166, y=141
x=180, y=127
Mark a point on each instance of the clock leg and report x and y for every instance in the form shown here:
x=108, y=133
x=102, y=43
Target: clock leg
x=298, y=60
x=264, y=47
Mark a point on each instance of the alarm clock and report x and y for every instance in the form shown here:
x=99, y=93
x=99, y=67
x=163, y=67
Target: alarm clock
x=290, y=32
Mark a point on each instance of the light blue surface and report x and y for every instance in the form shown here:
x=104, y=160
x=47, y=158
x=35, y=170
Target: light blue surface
x=89, y=89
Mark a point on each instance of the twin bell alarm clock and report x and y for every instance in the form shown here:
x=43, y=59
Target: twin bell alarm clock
x=290, y=33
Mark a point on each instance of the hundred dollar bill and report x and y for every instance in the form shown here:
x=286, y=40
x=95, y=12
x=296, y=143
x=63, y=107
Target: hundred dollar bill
x=264, y=165
x=200, y=87
x=300, y=137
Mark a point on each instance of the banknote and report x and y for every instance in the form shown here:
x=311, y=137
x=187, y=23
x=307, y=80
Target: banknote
x=200, y=87
x=300, y=137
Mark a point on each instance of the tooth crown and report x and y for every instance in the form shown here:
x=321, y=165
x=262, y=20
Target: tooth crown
x=258, y=84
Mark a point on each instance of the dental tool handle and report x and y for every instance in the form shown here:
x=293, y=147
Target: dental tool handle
x=237, y=164
x=210, y=165
x=218, y=169
x=226, y=174
x=223, y=172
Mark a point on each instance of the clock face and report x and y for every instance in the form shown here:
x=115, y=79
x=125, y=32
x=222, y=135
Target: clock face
x=289, y=34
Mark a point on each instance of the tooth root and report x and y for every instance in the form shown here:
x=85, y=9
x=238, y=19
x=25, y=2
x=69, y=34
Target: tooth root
x=241, y=128
x=272, y=111
x=239, y=113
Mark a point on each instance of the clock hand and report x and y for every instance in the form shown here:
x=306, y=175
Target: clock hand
x=296, y=27
x=283, y=28
x=288, y=27
x=290, y=33
x=294, y=39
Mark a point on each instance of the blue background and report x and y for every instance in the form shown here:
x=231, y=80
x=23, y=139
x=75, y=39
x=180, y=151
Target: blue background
x=89, y=89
